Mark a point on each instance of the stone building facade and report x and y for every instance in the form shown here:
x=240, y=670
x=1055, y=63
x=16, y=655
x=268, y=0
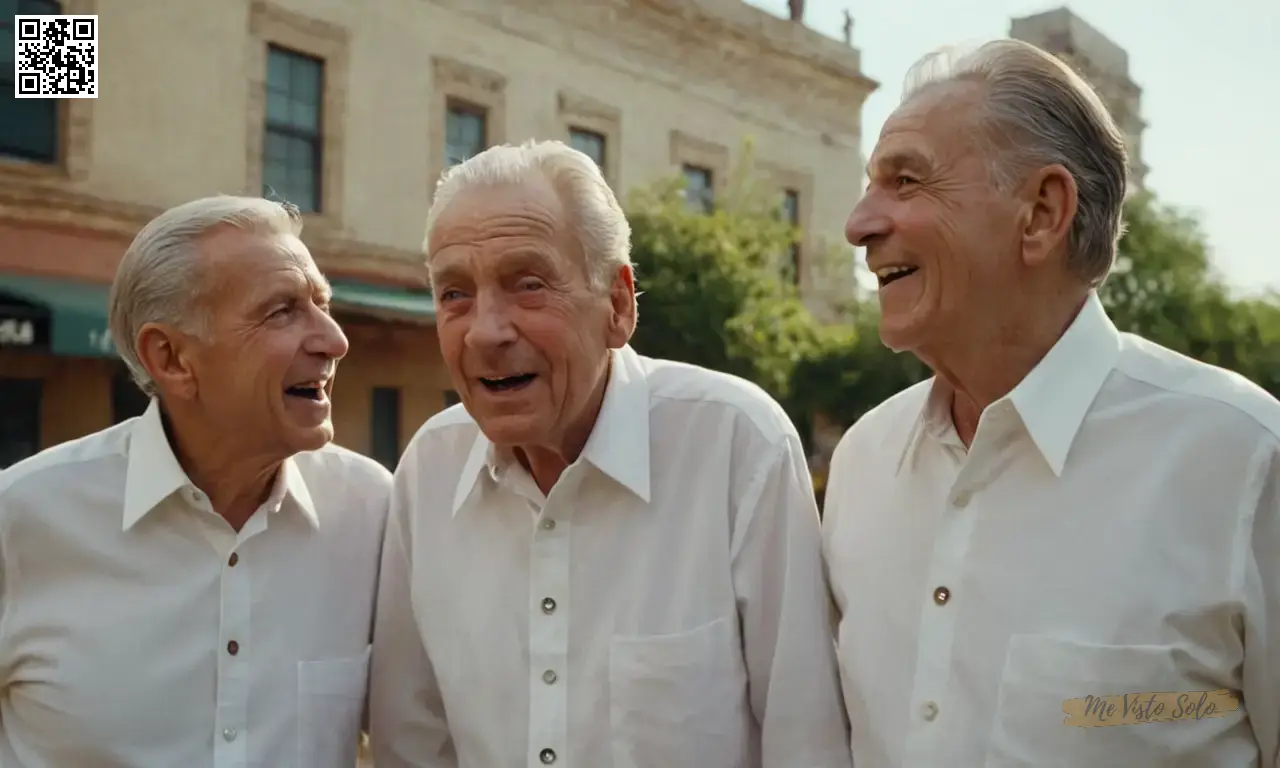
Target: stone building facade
x=352, y=110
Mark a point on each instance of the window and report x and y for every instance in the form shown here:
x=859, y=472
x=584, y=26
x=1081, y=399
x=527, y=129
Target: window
x=589, y=143
x=791, y=215
x=127, y=400
x=465, y=133
x=28, y=127
x=19, y=418
x=384, y=425
x=699, y=194
x=292, y=152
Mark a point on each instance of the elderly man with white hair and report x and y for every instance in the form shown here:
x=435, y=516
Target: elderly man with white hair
x=195, y=586
x=596, y=559
x=1064, y=548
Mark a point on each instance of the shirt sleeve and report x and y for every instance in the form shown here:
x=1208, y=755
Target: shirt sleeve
x=785, y=610
x=1261, y=599
x=407, y=720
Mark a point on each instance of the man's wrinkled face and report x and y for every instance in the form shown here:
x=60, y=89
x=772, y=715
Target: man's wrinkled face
x=266, y=368
x=941, y=238
x=524, y=334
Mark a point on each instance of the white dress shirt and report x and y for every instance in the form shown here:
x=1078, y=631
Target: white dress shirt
x=139, y=630
x=663, y=606
x=1113, y=530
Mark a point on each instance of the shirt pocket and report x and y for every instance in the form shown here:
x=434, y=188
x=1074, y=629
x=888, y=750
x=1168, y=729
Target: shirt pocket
x=679, y=700
x=1041, y=674
x=331, y=698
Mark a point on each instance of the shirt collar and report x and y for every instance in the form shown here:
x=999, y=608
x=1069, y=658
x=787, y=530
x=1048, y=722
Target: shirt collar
x=619, y=441
x=1053, y=399
x=153, y=474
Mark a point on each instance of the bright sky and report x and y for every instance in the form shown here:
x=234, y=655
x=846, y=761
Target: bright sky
x=1210, y=78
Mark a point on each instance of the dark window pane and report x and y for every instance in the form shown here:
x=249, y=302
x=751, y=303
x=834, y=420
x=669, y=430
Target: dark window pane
x=304, y=116
x=19, y=419
x=589, y=143
x=699, y=193
x=791, y=206
x=291, y=152
x=384, y=424
x=464, y=135
x=28, y=127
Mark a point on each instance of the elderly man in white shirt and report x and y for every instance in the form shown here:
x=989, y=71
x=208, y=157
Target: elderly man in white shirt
x=597, y=559
x=1063, y=548
x=195, y=586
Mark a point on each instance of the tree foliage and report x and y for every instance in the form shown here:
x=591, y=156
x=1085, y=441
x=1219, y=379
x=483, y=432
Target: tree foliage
x=711, y=287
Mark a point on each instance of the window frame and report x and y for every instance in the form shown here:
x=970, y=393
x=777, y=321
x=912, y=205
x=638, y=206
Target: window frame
x=314, y=138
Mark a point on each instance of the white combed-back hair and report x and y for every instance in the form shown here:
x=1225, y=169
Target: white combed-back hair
x=595, y=216
x=161, y=277
x=1039, y=112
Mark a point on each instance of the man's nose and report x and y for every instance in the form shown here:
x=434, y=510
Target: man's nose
x=868, y=222
x=327, y=340
x=491, y=324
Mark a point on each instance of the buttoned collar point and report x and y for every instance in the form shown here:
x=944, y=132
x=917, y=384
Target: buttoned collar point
x=153, y=474
x=618, y=445
x=1052, y=400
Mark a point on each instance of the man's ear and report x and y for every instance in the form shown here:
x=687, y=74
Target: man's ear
x=165, y=355
x=1050, y=198
x=623, y=310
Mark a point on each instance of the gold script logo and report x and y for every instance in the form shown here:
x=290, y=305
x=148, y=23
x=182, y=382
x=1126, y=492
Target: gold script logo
x=1135, y=708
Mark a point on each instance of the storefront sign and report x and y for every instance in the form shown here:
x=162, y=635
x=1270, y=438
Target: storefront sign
x=23, y=327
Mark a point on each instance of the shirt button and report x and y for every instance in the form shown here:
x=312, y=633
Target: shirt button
x=941, y=595
x=929, y=711
x=962, y=499
x=548, y=607
x=547, y=756
x=549, y=677
x=548, y=525
x=235, y=558
x=233, y=647
x=229, y=734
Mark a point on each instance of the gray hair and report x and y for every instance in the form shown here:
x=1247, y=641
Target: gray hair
x=595, y=216
x=160, y=278
x=1038, y=113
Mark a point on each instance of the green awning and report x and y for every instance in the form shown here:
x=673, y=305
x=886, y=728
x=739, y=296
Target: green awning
x=74, y=312
x=384, y=302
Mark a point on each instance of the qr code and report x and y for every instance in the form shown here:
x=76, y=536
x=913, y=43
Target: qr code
x=55, y=57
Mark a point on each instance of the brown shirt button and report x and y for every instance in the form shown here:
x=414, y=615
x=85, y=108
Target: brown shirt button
x=233, y=647
x=941, y=595
x=235, y=558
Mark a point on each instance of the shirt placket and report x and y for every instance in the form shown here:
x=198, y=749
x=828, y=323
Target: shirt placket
x=234, y=676
x=549, y=628
x=925, y=745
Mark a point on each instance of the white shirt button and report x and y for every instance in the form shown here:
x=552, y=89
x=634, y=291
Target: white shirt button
x=549, y=677
x=929, y=711
x=547, y=756
x=548, y=525
x=229, y=734
x=962, y=499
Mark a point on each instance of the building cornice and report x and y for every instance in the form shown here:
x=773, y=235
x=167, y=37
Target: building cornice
x=53, y=206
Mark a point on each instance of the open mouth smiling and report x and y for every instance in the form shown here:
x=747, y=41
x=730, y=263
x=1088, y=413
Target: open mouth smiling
x=508, y=383
x=310, y=390
x=893, y=273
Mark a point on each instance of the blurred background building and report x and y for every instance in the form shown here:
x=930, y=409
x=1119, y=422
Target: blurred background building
x=351, y=111
x=1102, y=63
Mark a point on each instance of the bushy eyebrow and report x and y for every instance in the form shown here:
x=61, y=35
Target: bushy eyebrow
x=898, y=160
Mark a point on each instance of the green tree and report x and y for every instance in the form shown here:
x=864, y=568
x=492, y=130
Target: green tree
x=1165, y=289
x=711, y=285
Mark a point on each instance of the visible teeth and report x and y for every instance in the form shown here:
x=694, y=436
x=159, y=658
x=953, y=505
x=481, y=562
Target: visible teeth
x=897, y=269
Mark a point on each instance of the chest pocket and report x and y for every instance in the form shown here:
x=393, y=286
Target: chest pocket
x=679, y=700
x=331, y=698
x=1042, y=674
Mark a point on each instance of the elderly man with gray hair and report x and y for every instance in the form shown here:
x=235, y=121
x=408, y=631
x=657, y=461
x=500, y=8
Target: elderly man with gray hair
x=596, y=559
x=195, y=586
x=1062, y=548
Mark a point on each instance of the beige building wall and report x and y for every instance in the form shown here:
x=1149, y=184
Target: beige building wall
x=181, y=106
